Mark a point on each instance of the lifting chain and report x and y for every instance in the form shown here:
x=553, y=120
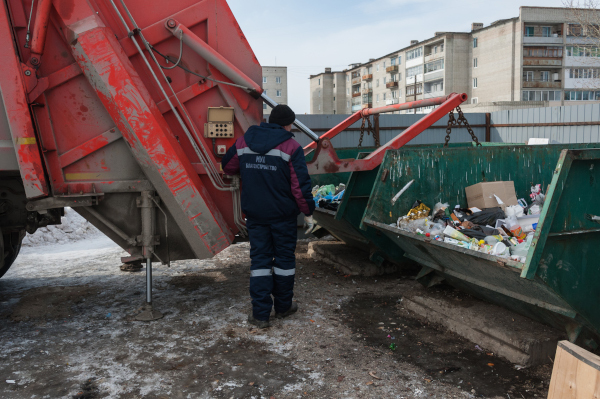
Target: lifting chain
x=370, y=130
x=461, y=121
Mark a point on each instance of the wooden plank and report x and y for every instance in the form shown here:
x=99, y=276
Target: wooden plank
x=576, y=373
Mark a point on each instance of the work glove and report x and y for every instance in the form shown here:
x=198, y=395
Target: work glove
x=309, y=224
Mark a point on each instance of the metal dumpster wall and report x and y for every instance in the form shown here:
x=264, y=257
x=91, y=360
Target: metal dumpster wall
x=554, y=295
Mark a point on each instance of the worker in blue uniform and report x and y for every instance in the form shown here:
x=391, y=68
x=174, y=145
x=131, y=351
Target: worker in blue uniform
x=276, y=188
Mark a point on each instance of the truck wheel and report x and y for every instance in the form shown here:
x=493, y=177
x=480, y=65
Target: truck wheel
x=10, y=245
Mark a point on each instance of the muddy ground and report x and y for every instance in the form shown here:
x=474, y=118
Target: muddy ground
x=67, y=332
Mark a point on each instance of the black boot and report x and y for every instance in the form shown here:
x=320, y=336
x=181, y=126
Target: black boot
x=258, y=323
x=293, y=309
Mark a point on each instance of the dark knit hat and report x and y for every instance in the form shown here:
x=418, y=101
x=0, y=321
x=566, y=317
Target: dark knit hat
x=282, y=115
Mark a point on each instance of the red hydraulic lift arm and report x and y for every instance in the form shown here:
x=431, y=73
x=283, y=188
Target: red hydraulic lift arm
x=325, y=159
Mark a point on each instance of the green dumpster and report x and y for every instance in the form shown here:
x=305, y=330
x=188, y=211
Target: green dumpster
x=345, y=223
x=559, y=284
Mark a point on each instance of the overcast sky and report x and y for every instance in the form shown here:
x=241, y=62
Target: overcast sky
x=309, y=35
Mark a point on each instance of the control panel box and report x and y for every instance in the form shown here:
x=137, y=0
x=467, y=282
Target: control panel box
x=220, y=123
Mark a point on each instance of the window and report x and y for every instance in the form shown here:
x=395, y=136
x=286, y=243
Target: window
x=394, y=78
x=395, y=94
x=529, y=31
x=399, y=76
x=584, y=73
x=414, y=89
x=474, y=83
x=319, y=81
x=377, y=67
x=546, y=31
x=434, y=66
x=417, y=70
x=545, y=76
x=384, y=96
x=264, y=106
x=474, y=100
x=474, y=42
x=319, y=94
x=399, y=60
x=574, y=30
x=544, y=52
x=265, y=80
x=348, y=91
x=347, y=78
x=435, y=50
x=540, y=95
x=347, y=104
x=442, y=48
x=528, y=76
x=279, y=93
x=319, y=107
x=474, y=62
x=278, y=79
x=377, y=98
x=384, y=64
x=412, y=54
x=377, y=83
x=574, y=51
x=393, y=61
x=384, y=80
x=333, y=98
x=586, y=95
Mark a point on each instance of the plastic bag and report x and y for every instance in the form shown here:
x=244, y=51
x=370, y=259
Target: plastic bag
x=514, y=210
x=487, y=216
x=419, y=210
x=479, y=235
x=324, y=191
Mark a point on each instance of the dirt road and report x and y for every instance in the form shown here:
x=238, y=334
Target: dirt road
x=66, y=328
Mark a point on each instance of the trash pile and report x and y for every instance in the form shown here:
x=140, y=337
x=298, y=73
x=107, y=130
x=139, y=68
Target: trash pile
x=328, y=196
x=494, y=223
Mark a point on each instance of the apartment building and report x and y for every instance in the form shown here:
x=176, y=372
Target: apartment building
x=541, y=56
x=275, y=84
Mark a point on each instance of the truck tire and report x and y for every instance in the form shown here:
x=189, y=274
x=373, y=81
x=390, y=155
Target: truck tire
x=10, y=245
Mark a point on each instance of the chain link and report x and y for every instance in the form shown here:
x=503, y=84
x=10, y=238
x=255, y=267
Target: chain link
x=461, y=121
x=369, y=130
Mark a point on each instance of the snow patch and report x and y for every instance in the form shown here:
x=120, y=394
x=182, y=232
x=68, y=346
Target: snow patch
x=73, y=228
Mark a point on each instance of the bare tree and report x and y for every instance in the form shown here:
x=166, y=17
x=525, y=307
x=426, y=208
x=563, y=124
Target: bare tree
x=583, y=30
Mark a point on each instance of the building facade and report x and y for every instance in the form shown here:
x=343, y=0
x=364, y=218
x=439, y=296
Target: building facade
x=542, y=56
x=275, y=84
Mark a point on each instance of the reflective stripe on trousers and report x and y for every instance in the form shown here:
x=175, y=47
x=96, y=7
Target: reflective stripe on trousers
x=269, y=272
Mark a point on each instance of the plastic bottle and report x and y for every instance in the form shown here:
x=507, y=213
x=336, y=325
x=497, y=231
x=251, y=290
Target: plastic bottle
x=492, y=240
x=450, y=232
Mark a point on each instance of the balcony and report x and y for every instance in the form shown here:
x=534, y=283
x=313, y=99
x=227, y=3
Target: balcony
x=356, y=108
x=367, y=105
x=356, y=94
x=392, y=69
x=367, y=91
x=435, y=75
x=554, y=38
x=541, y=84
x=433, y=56
x=434, y=94
x=392, y=101
x=531, y=61
x=356, y=81
x=368, y=77
x=391, y=85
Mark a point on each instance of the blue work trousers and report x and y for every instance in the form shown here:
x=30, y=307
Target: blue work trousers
x=273, y=266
